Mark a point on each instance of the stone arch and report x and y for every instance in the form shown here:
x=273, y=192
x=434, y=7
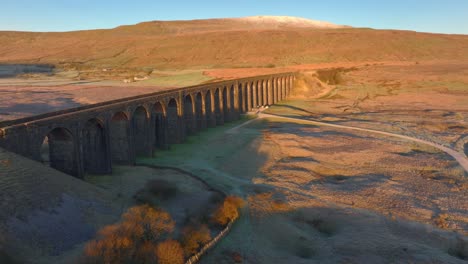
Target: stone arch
x=95, y=152
x=209, y=115
x=280, y=91
x=283, y=88
x=226, y=107
x=200, y=121
x=265, y=92
x=189, y=115
x=140, y=132
x=273, y=90
x=218, y=110
x=160, y=125
x=173, y=121
x=277, y=91
x=254, y=95
x=280, y=88
x=58, y=151
x=259, y=93
x=248, y=97
x=120, y=138
x=245, y=97
x=270, y=92
x=240, y=97
x=232, y=103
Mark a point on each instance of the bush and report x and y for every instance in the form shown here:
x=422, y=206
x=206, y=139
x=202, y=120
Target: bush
x=133, y=240
x=195, y=238
x=332, y=76
x=156, y=191
x=228, y=211
x=147, y=223
x=161, y=188
x=441, y=221
x=170, y=252
x=5, y=163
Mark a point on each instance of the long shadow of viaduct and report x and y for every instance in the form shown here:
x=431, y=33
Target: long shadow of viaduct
x=89, y=139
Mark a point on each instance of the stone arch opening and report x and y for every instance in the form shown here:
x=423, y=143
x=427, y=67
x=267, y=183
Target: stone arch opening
x=159, y=125
x=95, y=154
x=270, y=92
x=275, y=90
x=248, y=97
x=465, y=148
x=265, y=92
x=284, y=87
x=272, y=87
x=199, y=111
x=278, y=89
x=232, y=103
x=120, y=138
x=240, y=98
x=245, y=97
x=188, y=115
x=259, y=93
x=226, y=106
x=217, y=107
x=281, y=89
x=173, y=121
x=140, y=132
x=209, y=116
x=58, y=151
x=253, y=96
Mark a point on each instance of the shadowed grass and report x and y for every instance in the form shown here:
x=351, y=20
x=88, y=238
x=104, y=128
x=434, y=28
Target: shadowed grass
x=200, y=142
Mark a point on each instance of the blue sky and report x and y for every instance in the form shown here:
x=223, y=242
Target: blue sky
x=449, y=16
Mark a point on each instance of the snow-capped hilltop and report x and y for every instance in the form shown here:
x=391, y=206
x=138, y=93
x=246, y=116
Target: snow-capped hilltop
x=290, y=21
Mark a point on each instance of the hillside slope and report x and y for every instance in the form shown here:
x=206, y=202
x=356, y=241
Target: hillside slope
x=219, y=43
x=46, y=212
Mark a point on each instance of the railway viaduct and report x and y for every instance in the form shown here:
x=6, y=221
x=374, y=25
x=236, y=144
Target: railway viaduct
x=91, y=138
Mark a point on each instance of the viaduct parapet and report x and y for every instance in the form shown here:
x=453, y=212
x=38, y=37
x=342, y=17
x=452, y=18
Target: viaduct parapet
x=91, y=138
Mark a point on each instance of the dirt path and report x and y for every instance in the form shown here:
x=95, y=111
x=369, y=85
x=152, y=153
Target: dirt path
x=461, y=158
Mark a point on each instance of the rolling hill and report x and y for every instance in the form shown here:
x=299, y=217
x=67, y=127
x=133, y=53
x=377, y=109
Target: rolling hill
x=262, y=41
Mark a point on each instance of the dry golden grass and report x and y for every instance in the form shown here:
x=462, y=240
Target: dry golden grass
x=265, y=202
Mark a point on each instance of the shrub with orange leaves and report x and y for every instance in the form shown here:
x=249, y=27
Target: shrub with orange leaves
x=146, y=223
x=170, y=252
x=194, y=238
x=146, y=253
x=228, y=211
x=6, y=162
x=133, y=240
